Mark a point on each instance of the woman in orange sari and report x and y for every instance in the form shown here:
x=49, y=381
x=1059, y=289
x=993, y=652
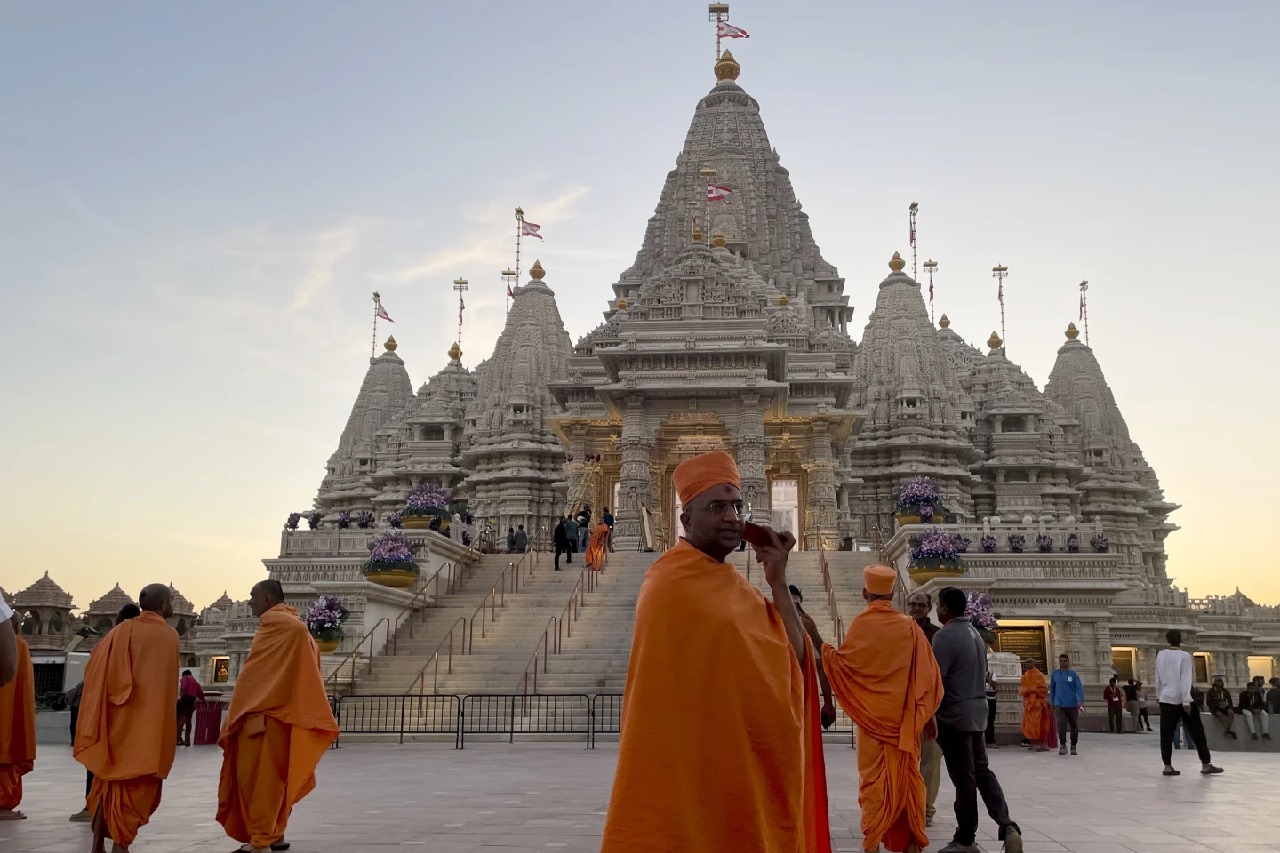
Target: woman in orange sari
x=597, y=546
x=1035, y=708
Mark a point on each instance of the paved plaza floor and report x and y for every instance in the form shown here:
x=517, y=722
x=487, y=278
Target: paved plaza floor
x=552, y=796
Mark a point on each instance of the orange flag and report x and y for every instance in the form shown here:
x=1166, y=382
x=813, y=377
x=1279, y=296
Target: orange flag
x=17, y=729
x=128, y=723
x=278, y=727
x=720, y=745
x=886, y=678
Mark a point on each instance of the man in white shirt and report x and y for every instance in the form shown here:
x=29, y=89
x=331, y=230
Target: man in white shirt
x=1173, y=691
x=8, y=644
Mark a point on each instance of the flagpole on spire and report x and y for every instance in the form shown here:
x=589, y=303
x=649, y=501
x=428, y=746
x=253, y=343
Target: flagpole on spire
x=930, y=266
x=999, y=272
x=519, y=234
x=510, y=278
x=718, y=12
x=1084, y=309
x=708, y=174
x=460, y=285
x=377, y=308
x=911, y=217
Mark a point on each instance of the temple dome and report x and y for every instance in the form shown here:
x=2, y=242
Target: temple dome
x=45, y=592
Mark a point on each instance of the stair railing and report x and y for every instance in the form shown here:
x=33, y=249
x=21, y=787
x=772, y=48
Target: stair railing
x=454, y=637
x=353, y=656
x=564, y=628
x=548, y=648
x=407, y=616
x=831, y=595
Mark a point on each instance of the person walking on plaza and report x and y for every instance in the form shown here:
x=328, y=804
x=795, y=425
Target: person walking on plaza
x=189, y=692
x=1218, y=701
x=1036, y=712
x=886, y=678
x=560, y=541
x=571, y=539
x=721, y=744
x=127, y=732
x=1254, y=710
x=277, y=729
x=1144, y=716
x=962, y=720
x=990, y=734
x=1273, y=697
x=17, y=729
x=1114, y=698
x=918, y=606
x=1173, y=692
x=1066, y=695
x=607, y=518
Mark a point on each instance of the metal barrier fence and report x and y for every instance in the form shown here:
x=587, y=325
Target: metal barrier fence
x=507, y=714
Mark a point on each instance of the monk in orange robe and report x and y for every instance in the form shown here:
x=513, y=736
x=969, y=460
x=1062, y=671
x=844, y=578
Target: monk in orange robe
x=128, y=728
x=886, y=678
x=596, y=546
x=1036, y=714
x=278, y=727
x=721, y=741
x=17, y=731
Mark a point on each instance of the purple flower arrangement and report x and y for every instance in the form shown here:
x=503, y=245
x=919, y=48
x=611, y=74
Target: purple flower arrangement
x=1073, y=543
x=988, y=544
x=982, y=616
x=291, y=523
x=395, y=520
x=313, y=519
x=427, y=499
x=937, y=549
x=364, y=519
x=1100, y=543
x=325, y=617
x=1017, y=543
x=1044, y=544
x=389, y=551
x=344, y=520
x=962, y=543
x=918, y=496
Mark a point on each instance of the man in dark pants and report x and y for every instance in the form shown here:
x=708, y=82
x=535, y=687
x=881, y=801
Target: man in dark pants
x=1173, y=691
x=560, y=541
x=1066, y=695
x=991, y=713
x=962, y=721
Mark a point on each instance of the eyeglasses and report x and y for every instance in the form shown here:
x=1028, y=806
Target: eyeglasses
x=720, y=507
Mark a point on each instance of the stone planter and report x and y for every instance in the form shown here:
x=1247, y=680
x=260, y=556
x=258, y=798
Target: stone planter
x=906, y=518
x=327, y=647
x=417, y=522
x=397, y=575
x=924, y=571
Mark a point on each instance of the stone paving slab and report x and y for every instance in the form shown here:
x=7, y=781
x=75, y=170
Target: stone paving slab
x=552, y=796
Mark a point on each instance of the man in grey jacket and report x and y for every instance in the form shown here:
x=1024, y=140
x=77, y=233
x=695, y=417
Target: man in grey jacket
x=962, y=723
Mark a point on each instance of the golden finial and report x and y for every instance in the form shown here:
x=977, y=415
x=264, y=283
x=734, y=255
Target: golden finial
x=1072, y=332
x=455, y=352
x=391, y=344
x=536, y=272
x=896, y=263
x=697, y=234
x=727, y=68
x=622, y=303
x=994, y=341
x=944, y=322
x=718, y=240
x=783, y=301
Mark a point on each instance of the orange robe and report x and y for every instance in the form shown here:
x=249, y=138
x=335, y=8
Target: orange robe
x=278, y=727
x=721, y=739
x=596, y=545
x=1036, y=715
x=128, y=726
x=886, y=678
x=17, y=729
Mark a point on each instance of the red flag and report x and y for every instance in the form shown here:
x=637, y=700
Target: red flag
x=1000, y=292
x=726, y=30
x=912, y=229
x=529, y=229
x=1081, y=306
x=715, y=193
x=931, y=293
x=382, y=314
x=510, y=295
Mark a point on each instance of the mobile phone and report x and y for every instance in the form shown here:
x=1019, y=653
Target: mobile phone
x=754, y=534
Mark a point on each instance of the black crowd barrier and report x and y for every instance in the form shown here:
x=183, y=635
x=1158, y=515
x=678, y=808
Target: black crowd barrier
x=488, y=714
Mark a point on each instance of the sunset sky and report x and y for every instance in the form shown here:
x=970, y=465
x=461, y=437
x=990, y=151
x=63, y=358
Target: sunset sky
x=197, y=199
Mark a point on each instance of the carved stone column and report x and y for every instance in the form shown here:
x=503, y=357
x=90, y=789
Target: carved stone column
x=751, y=449
x=820, y=495
x=635, y=486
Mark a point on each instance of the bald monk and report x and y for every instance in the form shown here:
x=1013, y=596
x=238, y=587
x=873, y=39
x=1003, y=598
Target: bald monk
x=277, y=729
x=17, y=730
x=721, y=742
x=127, y=730
x=885, y=677
x=1036, y=714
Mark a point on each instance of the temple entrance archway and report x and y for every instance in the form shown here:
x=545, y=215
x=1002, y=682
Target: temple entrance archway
x=784, y=499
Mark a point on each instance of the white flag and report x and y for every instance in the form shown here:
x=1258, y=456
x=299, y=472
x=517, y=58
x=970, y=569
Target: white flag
x=529, y=229
x=727, y=30
x=715, y=193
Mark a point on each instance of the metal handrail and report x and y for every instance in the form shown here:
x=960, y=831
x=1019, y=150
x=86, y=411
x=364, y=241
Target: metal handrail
x=497, y=597
x=332, y=678
x=454, y=583
x=434, y=660
x=564, y=628
x=546, y=652
x=831, y=595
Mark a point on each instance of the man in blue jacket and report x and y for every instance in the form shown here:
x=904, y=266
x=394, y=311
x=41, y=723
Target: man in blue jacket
x=1066, y=695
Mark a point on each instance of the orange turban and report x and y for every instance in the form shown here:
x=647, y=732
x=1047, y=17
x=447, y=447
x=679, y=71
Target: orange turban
x=694, y=476
x=879, y=580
